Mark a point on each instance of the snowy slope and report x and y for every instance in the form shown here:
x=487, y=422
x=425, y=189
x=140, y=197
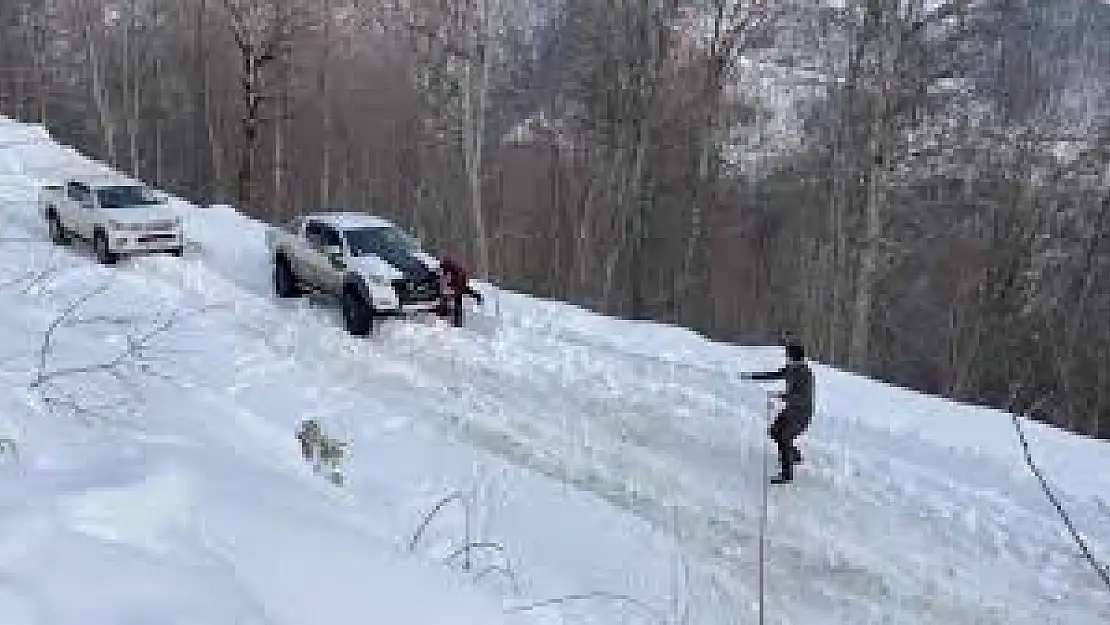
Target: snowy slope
x=615, y=463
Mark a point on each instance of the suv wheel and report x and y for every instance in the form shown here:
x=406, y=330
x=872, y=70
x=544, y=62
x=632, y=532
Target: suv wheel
x=104, y=255
x=57, y=230
x=358, y=317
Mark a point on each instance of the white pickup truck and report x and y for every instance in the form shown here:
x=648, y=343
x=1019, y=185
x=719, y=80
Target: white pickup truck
x=374, y=267
x=119, y=216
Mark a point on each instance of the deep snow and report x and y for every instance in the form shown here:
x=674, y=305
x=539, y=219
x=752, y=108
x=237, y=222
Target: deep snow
x=610, y=457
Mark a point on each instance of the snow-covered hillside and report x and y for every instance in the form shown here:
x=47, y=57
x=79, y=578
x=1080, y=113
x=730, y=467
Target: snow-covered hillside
x=615, y=468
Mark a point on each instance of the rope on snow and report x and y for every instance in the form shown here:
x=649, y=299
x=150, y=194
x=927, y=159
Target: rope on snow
x=1100, y=569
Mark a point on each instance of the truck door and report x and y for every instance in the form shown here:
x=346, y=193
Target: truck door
x=331, y=273
x=318, y=238
x=310, y=252
x=318, y=265
x=295, y=242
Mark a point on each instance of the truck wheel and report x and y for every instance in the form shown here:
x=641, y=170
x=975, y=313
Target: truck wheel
x=104, y=255
x=358, y=317
x=285, y=283
x=57, y=231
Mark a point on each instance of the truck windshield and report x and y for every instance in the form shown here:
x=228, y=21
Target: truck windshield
x=380, y=242
x=125, y=197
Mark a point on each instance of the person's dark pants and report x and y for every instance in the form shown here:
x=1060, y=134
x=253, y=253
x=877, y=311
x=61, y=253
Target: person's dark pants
x=788, y=426
x=451, y=305
x=457, y=309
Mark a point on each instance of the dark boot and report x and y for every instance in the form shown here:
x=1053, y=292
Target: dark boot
x=457, y=310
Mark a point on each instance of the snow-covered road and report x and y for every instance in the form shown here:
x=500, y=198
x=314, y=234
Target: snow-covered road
x=909, y=509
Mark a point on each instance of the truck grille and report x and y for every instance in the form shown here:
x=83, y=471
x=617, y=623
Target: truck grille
x=409, y=291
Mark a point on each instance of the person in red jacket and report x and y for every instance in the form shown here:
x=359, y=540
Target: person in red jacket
x=455, y=284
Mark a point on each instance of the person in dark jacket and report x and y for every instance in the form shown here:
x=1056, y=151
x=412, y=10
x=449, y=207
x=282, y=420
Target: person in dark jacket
x=456, y=285
x=795, y=417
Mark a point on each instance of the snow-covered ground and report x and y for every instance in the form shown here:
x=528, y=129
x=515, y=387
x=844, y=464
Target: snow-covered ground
x=614, y=470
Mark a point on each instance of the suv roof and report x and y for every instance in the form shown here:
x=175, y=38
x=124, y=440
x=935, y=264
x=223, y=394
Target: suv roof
x=344, y=220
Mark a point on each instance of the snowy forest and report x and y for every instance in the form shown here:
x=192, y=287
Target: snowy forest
x=919, y=190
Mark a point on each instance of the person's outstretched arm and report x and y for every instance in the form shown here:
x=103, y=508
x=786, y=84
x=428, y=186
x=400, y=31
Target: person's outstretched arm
x=765, y=375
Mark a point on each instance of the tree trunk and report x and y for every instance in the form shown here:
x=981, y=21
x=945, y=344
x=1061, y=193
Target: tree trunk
x=474, y=133
x=131, y=90
x=163, y=108
x=326, y=106
x=201, y=175
x=868, y=258
x=629, y=235
x=100, y=95
x=40, y=53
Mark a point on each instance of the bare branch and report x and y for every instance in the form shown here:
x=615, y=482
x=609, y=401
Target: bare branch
x=1101, y=570
x=48, y=337
x=55, y=397
x=136, y=347
x=469, y=548
x=505, y=572
x=655, y=615
x=456, y=496
x=32, y=277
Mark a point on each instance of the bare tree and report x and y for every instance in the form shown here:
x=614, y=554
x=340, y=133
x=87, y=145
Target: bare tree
x=25, y=57
x=737, y=28
x=263, y=31
x=460, y=44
